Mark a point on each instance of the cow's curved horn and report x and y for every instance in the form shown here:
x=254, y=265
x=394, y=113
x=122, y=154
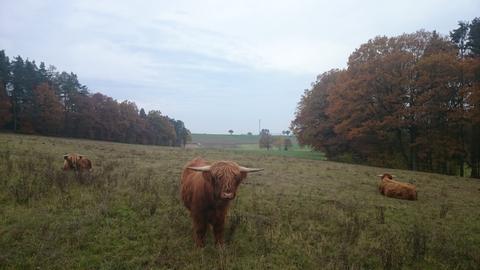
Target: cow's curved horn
x=245, y=169
x=380, y=175
x=201, y=169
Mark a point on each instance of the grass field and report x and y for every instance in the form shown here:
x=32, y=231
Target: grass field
x=296, y=214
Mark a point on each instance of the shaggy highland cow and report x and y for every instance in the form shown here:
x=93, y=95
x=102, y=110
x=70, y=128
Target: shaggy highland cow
x=394, y=189
x=206, y=191
x=76, y=162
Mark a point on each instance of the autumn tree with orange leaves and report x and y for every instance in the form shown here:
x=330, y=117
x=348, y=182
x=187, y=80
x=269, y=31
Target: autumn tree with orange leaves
x=410, y=101
x=47, y=115
x=41, y=100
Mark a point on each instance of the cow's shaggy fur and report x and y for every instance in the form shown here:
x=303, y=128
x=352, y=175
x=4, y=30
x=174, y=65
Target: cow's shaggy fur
x=207, y=194
x=76, y=162
x=395, y=189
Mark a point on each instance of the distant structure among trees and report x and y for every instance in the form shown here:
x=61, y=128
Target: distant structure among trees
x=282, y=142
x=411, y=101
x=40, y=100
x=278, y=142
x=287, y=143
x=266, y=139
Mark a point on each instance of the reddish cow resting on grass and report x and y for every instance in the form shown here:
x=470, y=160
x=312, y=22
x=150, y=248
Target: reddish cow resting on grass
x=76, y=162
x=395, y=189
x=206, y=190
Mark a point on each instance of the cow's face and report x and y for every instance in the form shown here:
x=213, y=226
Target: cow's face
x=67, y=163
x=70, y=161
x=386, y=176
x=226, y=177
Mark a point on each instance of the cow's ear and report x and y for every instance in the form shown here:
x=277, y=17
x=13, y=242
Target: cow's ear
x=243, y=175
x=80, y=156
x=65, y=157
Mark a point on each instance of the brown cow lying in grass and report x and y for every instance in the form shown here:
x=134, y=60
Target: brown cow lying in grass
x=206, y=191
x=76, y=162
x=394, y=189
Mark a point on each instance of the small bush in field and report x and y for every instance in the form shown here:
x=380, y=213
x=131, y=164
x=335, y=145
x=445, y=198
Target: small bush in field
x=21, y=189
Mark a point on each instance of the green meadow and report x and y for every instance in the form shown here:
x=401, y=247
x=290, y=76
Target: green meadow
x=296, y=214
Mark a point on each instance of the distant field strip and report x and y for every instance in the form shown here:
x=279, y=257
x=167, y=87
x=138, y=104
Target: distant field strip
x=250, y=143
x=222, y=141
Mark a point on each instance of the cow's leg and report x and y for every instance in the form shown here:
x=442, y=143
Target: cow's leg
x=218, y=227
x=200, y=229
x=78, y=176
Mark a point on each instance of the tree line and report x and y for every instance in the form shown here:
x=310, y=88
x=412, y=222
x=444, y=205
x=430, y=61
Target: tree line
x=410, y=101
x=40, y=100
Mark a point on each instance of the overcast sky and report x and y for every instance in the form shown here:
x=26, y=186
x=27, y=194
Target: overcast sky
x=216, y=65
